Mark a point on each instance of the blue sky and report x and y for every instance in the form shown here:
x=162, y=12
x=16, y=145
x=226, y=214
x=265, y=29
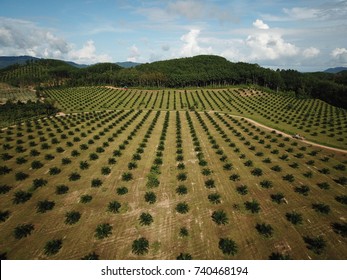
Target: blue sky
x=303, y=35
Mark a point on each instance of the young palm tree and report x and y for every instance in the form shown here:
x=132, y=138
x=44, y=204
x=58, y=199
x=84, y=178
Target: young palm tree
x=36, y=164
x=227, y=246
x=257, y=172
x=210, y=184
x=122, y=190
x=74, y=176
x=52, y=247
x=264, y=229
x=127, y=176
x=206, y=171
x=182, y=207
x=214, y=198
x=44, y=206
x=289, y=177
x=277, y=197
x=132, y=165
x=266, y=184
x=145, y=219
x=340, y=228
x=95, y=183
x=303, y=189
x=294, y=217
x=234, y=177
x=23, y=230
x=184, y=232
x=105, y=170
x=181, y=190
x=84, y=165
x=103, y=230
x=54, y=171
x=140, y=246
x=38, y=183
x=4, y=215
x=316, y=244
x=321, y=208
x=61, y=189
x=21, y=197
x=276, y=168
x=181, y=166
x=150, y=197
x=20, y=176
x=228, y=166
x=243, y=189
x=220, y=217
x=114, y=207
x=66, y=161
x=182, y=176
x=86, y=198
x=5, y=170
x=341, y=198
x=72, y=217
x=4, y=189
x=252, y=206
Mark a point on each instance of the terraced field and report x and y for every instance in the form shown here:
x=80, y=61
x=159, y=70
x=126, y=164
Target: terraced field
x=172, y=183
x=312, y=118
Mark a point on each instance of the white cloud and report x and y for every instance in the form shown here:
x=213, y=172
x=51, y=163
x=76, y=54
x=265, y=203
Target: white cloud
x=269, y=45
x=24, y=37
x=260, y=24
x=87, y=54
x=310, y=52
x=191, y=44
x=20, y=37
x=340, y=55
x=134, y=54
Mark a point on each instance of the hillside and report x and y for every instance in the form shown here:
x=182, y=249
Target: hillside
x=198, y=71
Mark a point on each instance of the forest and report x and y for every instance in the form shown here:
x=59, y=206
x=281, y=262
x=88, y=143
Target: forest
x=198, y=71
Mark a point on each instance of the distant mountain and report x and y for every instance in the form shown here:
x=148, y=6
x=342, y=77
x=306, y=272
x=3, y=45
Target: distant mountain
x=10, y=60
x=335, y=70
x=128, y=64
x=76, y=64
x=6, y=61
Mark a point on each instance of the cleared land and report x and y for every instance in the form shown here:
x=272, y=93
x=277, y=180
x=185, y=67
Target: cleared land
x=15, y=94
x=314, y=119
x=206, y=170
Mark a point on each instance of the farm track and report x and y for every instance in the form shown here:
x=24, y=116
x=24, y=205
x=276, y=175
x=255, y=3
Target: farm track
x=288, y=135
x=262, y=126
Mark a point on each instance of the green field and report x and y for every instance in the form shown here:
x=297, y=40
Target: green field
x=181, y=169
x=314, y=119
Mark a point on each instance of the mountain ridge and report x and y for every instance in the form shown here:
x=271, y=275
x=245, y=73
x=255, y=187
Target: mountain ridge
x=6, y=61
x=335, y=70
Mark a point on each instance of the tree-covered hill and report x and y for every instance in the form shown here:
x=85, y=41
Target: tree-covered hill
x=198, y=71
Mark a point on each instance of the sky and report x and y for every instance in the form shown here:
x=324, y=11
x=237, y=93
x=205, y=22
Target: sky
x=303, y=35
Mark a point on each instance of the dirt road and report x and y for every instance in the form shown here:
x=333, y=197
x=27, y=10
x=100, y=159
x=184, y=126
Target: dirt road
x=290, y=136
